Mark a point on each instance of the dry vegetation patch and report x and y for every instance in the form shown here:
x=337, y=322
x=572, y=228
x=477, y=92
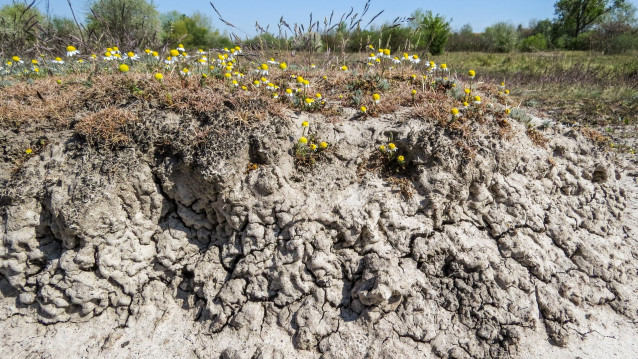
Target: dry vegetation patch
x=107, y=126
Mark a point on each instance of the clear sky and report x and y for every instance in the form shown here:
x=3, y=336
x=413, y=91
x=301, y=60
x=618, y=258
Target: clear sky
x=243, y=14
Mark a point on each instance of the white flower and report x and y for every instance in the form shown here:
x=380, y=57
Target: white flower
x=180, y=47
x=132, y=56
x=272, y=61
x=71, y=51
x=58, y=61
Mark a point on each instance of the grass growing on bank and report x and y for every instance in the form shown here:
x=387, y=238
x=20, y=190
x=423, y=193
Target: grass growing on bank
x=583, y=87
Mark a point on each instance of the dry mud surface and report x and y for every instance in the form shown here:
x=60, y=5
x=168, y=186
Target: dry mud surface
x=522, y=251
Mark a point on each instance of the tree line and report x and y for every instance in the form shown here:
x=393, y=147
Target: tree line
x=607, y=26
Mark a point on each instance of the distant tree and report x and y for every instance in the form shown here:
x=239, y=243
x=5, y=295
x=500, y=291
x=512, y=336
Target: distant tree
x=337, y=38
x=534, y=43
x=623, y=14
x=396, y=38
x=466, y=30
x=359, y=39
x=466, y=40
x=432, y=31
x=543, y=27
x=59, y=32
x=576, y=16
x=616, y=32
x=131, y=23
x=501, y=37
x=20, y=24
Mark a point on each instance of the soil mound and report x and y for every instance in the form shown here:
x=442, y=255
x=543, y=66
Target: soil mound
x=479, y=245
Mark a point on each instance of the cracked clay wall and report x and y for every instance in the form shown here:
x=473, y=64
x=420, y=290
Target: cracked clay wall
x=337, y=260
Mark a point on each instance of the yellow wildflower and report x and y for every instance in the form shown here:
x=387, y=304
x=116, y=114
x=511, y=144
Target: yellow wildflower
x=123, y=68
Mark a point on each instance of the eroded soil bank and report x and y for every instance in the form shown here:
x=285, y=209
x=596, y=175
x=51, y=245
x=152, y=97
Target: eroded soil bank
x=488, y=248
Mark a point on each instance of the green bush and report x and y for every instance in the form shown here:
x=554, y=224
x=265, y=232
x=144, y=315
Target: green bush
x=19, y=27
x=501, y=37
x=431, y=31
x=466, y=40
x=534, y=43
x=127, y=23
x=191, y=31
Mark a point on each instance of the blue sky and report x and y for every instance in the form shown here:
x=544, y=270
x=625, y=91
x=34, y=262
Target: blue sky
x=243, y=14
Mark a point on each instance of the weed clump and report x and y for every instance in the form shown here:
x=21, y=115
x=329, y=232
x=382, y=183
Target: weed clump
x=106, y=127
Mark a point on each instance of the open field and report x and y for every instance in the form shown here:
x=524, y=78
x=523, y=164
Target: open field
x=584, y=87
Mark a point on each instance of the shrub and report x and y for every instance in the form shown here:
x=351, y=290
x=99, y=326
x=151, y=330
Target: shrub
x=191, y=31
x=129, y=23
x=19, y=26
x=432, y=31
x=501, y=37
x=534, y=43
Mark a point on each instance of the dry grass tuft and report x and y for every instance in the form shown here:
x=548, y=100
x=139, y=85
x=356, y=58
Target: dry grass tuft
x=106, y=127
x=594, y=135
x=43, y=100
x=537, y=138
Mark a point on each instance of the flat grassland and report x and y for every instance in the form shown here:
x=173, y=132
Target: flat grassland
x=585, y=87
